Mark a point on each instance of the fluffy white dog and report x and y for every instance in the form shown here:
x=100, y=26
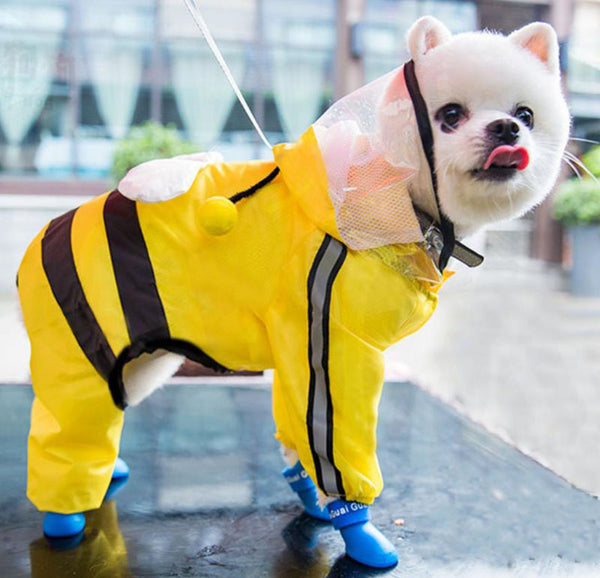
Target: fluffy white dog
x=338, y=252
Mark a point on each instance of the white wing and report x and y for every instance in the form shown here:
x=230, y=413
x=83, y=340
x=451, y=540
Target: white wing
x=164, y=179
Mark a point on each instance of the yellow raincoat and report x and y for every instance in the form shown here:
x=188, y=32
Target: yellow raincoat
x=115, y=278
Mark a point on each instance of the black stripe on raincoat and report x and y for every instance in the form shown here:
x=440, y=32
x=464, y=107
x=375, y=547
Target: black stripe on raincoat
x=143, y=310
x=59, y=266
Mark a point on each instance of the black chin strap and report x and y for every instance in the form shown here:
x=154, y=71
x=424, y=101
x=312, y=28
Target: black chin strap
x=446, y=226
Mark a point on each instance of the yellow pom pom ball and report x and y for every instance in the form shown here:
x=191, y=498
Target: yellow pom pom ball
x=218, y=215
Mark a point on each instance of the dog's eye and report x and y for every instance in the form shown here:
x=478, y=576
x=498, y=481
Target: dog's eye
x=450, y=116
x=525, y=115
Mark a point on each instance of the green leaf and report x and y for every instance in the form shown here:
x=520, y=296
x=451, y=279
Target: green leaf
x=592, y=160
x=147, y=142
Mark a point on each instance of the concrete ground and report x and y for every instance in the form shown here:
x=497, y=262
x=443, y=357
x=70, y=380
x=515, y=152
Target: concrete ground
x=508, y=346
x=206, y=498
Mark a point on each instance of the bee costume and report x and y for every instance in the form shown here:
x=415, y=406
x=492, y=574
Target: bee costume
x=325, y=268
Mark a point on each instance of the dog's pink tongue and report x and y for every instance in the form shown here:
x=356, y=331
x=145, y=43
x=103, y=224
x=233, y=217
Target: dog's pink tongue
x=508, y=157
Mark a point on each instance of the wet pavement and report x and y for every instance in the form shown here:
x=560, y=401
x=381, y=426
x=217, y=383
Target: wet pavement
x=206, y=498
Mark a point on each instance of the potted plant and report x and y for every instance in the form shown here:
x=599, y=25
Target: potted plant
x=577, y=207
x=147, y=142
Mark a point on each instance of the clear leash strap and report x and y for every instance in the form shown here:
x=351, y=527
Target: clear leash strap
x=194, y=10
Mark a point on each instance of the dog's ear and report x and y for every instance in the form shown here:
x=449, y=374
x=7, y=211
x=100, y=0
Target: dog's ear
x=540, y=39
x=426, y=33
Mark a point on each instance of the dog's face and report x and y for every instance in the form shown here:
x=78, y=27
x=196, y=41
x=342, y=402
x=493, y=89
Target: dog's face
x=499, y=118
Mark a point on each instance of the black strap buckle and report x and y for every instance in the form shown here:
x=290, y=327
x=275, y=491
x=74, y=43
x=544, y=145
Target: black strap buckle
x=434, y=241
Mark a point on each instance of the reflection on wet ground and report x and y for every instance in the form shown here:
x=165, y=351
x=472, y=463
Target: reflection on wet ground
x=206, y=498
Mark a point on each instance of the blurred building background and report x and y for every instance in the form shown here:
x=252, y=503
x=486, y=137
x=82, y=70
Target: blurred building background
x=75, y=76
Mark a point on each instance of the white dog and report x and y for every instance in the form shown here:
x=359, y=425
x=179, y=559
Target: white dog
x=335, y=256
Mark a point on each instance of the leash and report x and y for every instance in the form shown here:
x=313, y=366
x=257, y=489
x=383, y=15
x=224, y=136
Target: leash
x=203, y=27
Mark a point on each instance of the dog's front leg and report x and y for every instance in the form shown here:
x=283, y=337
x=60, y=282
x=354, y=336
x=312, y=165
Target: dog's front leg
x=325, y=401
x=313, y=500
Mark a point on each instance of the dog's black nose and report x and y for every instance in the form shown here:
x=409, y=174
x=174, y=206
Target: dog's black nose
x=504, y=131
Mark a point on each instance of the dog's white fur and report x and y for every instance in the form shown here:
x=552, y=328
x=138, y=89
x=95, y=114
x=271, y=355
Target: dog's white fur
x=148, y=372
x=489, y=75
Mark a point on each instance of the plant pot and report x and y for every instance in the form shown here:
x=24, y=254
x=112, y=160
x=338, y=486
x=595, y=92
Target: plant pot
x=585, y=271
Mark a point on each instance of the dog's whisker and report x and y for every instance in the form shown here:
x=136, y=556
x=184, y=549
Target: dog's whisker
x=578, y=139
x=511, y=200
x=579, y=163
x=572, y=166
x=570, y=156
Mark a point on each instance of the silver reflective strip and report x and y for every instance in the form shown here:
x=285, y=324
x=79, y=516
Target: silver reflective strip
x=318, y=331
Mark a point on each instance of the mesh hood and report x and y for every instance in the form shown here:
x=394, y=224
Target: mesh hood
x=370, y=146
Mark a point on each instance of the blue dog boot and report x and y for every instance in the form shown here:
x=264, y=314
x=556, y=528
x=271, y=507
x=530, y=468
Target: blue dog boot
x=301, y=483
x=364, y=542
x=115, y=486
x=121, y=469
x=69, y=525
x=119, y=478
x=63, y=525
